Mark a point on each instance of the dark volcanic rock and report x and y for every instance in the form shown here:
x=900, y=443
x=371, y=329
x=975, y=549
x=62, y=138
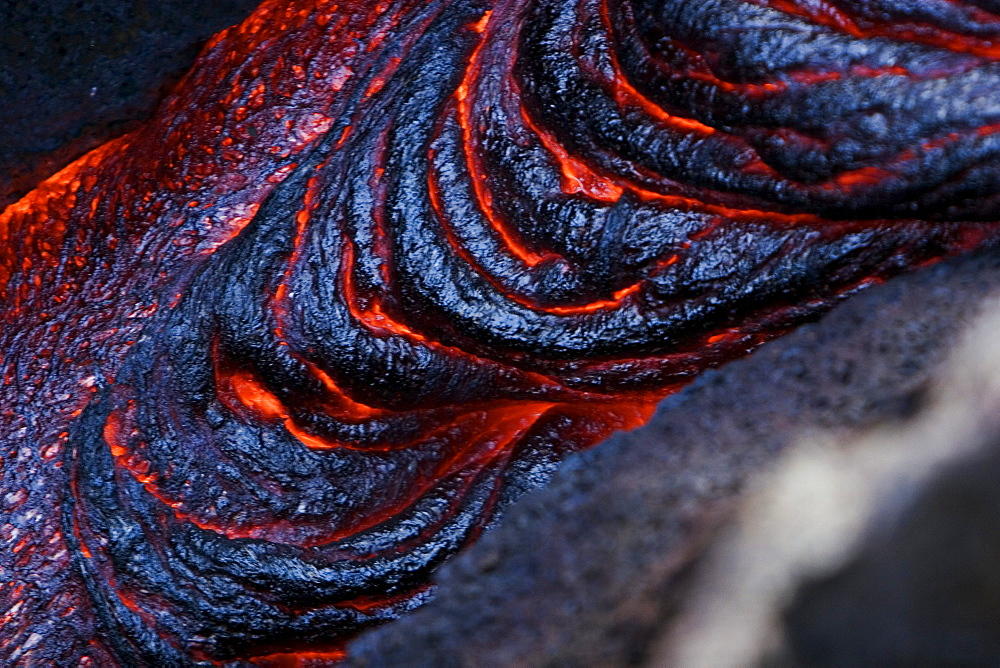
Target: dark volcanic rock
x=75, y=73
x=587, y=570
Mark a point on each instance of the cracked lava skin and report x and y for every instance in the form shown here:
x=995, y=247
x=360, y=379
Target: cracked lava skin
x=374, y=268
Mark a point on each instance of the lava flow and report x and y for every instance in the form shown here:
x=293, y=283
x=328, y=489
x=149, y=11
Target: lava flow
x=374, y=268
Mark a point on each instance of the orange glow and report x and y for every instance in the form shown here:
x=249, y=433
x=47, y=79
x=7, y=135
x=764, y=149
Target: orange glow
x=690, y=204
x=380, y=80
x=812, y=78
x=825, y=14
x=453, y=241
x=483, y=196
x=365, y=603
x=670, y=261
x=299, y=659
x=504, y=424
x=37, y=217
x=111, y=429
x=818, y=11
x=254, y=396
x=987, y=130
x=351, y=408
x=728, y=335
x=625, y=93
x=480, y=25
x=307, y=439
x=864, y=176
x=576, y=176
x=377, y=321
x=892, y=70
x=251, y=394
x=339, y=405
x=343, y=136
x=614, y=302
x=374, y=318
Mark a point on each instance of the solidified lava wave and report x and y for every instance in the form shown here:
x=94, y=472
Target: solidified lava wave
x=373, y=269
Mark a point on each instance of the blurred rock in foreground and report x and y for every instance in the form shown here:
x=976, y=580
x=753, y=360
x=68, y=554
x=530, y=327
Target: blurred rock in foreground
x=881, y=549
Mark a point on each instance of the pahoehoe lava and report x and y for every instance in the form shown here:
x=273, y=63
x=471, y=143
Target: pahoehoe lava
x=374, y=268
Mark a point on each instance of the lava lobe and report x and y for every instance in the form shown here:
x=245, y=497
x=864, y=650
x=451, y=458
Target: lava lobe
x=374, y=268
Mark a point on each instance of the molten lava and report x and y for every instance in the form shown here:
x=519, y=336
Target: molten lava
x=375, y=268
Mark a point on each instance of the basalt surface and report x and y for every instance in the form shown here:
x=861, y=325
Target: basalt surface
x=372, y=270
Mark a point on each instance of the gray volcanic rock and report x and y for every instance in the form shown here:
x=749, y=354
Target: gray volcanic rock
x=589, y=570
